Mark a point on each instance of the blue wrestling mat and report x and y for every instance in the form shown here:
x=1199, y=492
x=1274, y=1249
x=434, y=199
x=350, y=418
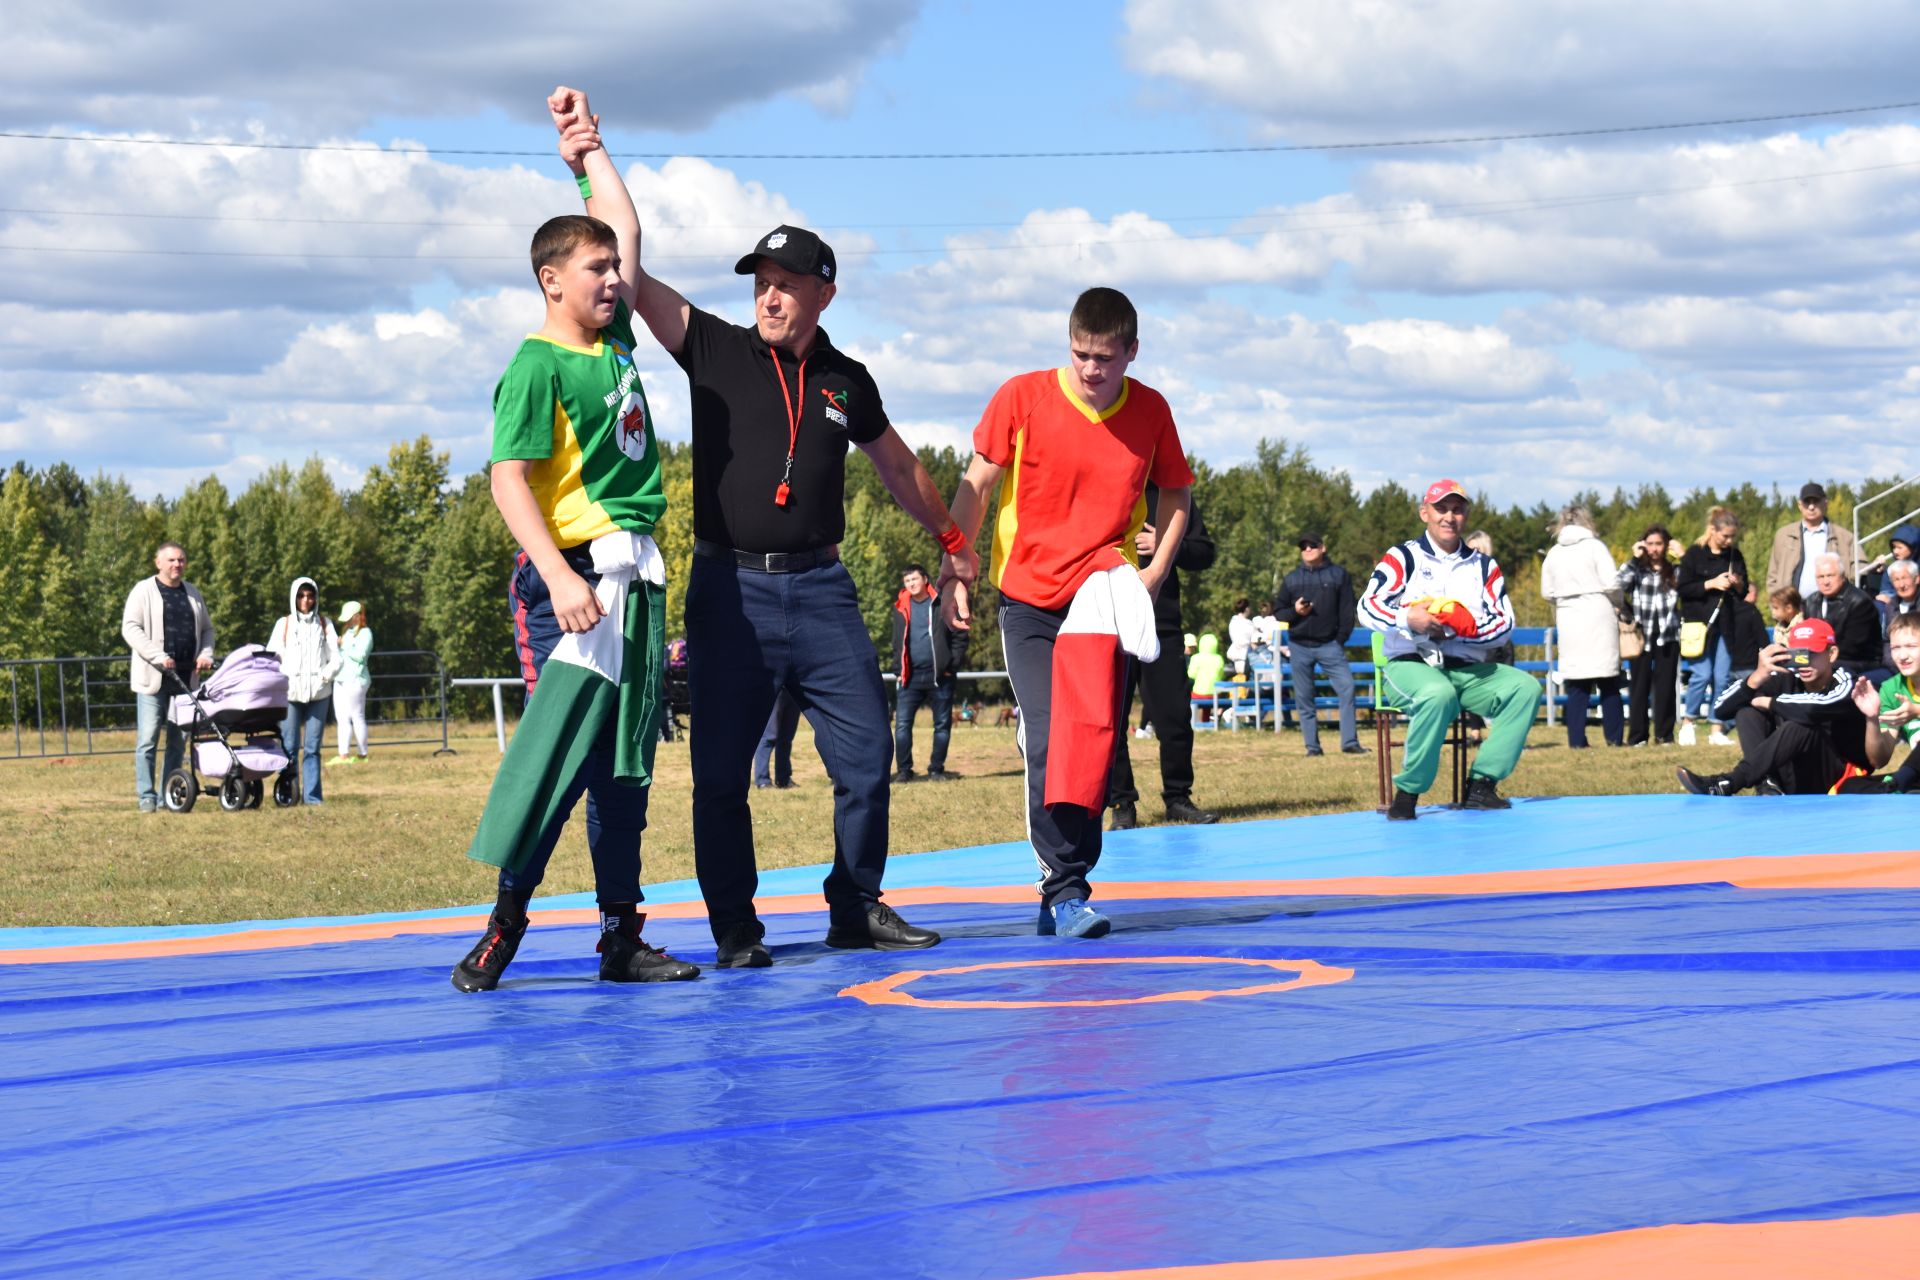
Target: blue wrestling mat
x=1322, y=1047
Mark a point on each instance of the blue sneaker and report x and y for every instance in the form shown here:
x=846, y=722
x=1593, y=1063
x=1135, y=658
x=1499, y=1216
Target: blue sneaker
x=1073, y=918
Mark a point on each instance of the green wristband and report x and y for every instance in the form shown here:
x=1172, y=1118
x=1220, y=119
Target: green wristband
x=586, y=188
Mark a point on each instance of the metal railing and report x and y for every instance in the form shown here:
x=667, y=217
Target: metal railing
x=67, y=706
x=497, y=683
x=1859, y=546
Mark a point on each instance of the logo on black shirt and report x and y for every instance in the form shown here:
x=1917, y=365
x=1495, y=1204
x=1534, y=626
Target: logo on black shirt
x=836, y=405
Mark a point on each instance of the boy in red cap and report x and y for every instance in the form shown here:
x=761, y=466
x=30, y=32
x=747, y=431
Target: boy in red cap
x=1802, y=720
x=1443, y=609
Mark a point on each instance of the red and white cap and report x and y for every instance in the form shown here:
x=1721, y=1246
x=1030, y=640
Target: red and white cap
x=1813, y=634
x=1444, y=489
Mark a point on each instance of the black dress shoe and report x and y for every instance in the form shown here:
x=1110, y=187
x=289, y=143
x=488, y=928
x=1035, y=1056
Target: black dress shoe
x=1354, y=749
x=942, y=775
x=882, y=929
x=903, y=775
x=740, y=947
x=1315, y=751
x=1188, y=812
x=1125, y=817
x=1404, y=807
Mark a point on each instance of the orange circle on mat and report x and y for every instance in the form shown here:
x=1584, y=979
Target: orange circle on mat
x=1307, y=973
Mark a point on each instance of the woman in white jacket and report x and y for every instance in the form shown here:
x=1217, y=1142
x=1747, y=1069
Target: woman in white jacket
x=309, y=656
x=1582, y=581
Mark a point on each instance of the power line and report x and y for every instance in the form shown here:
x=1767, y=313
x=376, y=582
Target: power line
x=1132, y=153
x=1413, y=211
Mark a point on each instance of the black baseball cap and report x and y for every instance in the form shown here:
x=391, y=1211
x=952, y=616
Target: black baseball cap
x=795, y=248
x=1310, y=539
x=1812, y=492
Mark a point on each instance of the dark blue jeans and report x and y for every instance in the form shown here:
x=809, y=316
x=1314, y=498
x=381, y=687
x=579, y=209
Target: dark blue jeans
x=773, y=760
x=750, y=634
x=1332, y=657
x=616, y=812
x=907, y=701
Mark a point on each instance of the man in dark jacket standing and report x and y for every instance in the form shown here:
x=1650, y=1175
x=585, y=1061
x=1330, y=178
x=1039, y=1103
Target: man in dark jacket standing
x=1164, y=688
x=926, y=655
x=1316, y=602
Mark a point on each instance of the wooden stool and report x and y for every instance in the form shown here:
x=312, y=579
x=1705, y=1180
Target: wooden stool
x=1457, y=738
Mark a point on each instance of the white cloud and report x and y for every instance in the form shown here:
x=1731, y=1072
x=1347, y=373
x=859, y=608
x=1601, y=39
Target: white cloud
x=1372, y=69
x=193, y=230
x=212, y=67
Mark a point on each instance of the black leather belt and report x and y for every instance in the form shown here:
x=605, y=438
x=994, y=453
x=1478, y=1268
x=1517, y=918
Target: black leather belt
x=770, y=562
x=1448, y=662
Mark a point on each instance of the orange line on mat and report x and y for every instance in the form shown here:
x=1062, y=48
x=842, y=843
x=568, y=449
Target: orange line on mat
x=1805, y=871
x=1857, y=1248
x=1307, y=973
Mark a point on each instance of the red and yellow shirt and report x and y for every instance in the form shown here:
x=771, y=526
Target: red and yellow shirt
x=1074, y=480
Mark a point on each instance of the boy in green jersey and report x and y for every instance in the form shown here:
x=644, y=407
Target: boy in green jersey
x=1899, y=719
x=576, y=476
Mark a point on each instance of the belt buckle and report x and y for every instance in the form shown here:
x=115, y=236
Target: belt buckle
x=776, y=561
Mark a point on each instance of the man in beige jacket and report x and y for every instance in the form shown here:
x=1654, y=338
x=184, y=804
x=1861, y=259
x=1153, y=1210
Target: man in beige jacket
x=167, y=627
x=1796, y=546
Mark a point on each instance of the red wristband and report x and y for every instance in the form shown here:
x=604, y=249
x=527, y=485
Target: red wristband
x=952, y=540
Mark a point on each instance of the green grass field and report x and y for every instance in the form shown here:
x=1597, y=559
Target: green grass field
x=393, y=833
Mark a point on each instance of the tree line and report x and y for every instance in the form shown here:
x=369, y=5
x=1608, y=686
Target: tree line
x=430, y=557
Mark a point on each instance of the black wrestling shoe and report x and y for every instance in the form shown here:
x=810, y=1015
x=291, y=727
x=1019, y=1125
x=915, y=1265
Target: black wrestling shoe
x=1403, y=808
x=1125, y=818
x=1482, y=794
x=1188, y=812
x=626, y=957
x=481, y=968
x=881, y=929
x=1702, y=784
x=740, y=947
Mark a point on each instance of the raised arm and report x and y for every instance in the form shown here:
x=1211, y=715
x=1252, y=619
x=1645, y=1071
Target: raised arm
x=661, y=307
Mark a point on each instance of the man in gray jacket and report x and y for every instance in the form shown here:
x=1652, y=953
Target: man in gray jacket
x=166, y=625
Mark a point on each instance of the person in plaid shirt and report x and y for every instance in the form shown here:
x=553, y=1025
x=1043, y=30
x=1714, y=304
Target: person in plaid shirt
x=1648, y=581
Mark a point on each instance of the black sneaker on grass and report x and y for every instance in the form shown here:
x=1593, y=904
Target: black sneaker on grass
x=481, y=968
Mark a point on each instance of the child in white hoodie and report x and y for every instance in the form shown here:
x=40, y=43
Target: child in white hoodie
x=309, y=652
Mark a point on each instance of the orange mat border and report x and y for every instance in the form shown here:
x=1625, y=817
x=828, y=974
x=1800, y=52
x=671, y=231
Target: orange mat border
x=1888, y=870
x=1885, y=1248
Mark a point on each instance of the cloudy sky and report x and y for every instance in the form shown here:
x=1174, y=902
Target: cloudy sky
x=1699, y=306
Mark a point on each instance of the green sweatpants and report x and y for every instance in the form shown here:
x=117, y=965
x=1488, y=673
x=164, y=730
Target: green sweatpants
x=1431, y=697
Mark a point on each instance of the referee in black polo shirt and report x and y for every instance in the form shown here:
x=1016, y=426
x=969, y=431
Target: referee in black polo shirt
x=769, y=605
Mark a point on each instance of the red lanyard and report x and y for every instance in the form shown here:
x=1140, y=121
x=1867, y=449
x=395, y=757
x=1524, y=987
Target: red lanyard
x=793, y=420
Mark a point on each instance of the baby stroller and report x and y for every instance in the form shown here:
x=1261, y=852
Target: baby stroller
x=246, y=699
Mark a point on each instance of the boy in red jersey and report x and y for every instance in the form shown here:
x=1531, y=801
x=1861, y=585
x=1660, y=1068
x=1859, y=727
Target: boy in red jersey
x=1078, y=445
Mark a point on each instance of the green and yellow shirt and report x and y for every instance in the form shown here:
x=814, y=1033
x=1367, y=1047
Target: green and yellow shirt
x=579, y=414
